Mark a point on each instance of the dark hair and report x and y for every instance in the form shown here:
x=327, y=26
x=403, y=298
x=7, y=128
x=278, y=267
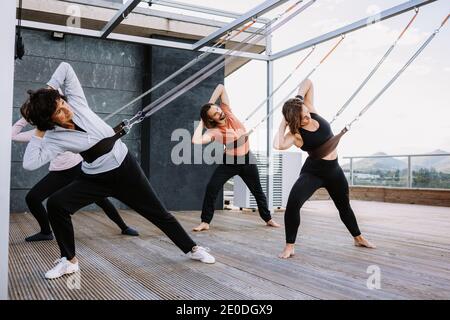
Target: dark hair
x=292, y=110
x=209, y=123
x=40, y=106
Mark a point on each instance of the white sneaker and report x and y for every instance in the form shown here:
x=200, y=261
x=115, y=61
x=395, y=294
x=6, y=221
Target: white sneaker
x=202, y=254
x=62, y=267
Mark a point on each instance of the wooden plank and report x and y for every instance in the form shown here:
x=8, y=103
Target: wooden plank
x=413, y=255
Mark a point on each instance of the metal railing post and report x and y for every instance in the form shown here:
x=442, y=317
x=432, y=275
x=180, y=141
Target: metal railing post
x=409, y=168
x=409, y=172
x=351, y=172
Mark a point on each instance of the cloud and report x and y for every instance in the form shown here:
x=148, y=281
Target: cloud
x=325, y=25
x=413, y=37
x=376, y=36
x=367, y=46
x=328, y=4
x=381, y=35
x=419, y=69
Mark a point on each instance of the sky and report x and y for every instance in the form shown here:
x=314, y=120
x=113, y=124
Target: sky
x=412, y=117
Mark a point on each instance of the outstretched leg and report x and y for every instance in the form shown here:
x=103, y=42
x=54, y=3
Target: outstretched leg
x=134, y=189
x=51, y=183
x=337, y=187
x=221, y=175
x=62, y=204
x=114, y=215
x=250, y=175
x=34, y=198
x=303, y=189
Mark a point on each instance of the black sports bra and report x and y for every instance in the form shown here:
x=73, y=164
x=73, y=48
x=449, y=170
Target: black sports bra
x=313, y=139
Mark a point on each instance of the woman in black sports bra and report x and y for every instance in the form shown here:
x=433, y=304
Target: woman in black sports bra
x=308, y=131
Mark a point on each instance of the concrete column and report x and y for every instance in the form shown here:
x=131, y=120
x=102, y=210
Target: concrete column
x=7, y=25
x=269, y=124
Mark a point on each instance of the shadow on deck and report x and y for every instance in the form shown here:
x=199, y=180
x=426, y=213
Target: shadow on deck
x=413, y=256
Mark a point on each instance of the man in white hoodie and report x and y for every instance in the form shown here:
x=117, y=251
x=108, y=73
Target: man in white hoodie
x=62, y=171
x=66, y=123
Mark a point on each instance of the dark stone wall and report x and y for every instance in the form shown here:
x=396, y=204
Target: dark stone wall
x=113, y=73
x=180, y=187
x=110, y=72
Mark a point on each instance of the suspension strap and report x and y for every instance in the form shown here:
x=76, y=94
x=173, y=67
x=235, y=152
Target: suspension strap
x=201, y=75
x=395, y=77
x=236, y=143
x=332, y=143
x=106, y=145
x=259, y=106
x=327, y=147
x=223, y=40
x=374, y=70
x=202, y=56
x=239, y=31
x=296, y=87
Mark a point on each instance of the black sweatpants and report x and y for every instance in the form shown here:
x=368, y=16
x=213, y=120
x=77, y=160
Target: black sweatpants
x=126, y=183
x=54, y=181
x=317, y=173
x=248, y=171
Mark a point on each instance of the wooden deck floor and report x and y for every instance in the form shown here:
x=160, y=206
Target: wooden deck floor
x=413, y=256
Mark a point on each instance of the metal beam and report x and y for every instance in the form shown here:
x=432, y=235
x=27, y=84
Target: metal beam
x=136, y=39
x=399, y=156
x=119, y=17
x=254, y=13
x=202, y=9
x=269, y=128
x=242, y=54
x=386, y=14
x=59, y=28
x=185, y=46
x=153, y=13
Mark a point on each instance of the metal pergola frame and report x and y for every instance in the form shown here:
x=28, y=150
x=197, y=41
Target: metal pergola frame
x=383, y=15
x=251, y=14
x=202, y=9
x=119, y=17
x=201, y=45
x=254, y=13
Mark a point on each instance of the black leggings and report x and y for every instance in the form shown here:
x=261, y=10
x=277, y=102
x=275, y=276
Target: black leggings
x=314, y=175
x=54, y=181
x=126, y=183
x=248, y=171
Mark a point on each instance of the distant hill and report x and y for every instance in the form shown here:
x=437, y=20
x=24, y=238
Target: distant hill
x=444, y=168
x=441, y=164
x=438, y=163
x=377, y=163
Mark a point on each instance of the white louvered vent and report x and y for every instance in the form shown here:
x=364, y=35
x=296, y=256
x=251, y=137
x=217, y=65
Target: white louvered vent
x=286, y=167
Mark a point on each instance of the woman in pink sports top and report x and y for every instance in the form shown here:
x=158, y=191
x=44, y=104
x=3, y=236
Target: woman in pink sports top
x=223, y=126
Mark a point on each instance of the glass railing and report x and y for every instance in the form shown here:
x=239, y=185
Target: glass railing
x=402, y=171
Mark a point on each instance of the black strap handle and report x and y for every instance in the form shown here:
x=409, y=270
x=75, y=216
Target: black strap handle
x=19, y=48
